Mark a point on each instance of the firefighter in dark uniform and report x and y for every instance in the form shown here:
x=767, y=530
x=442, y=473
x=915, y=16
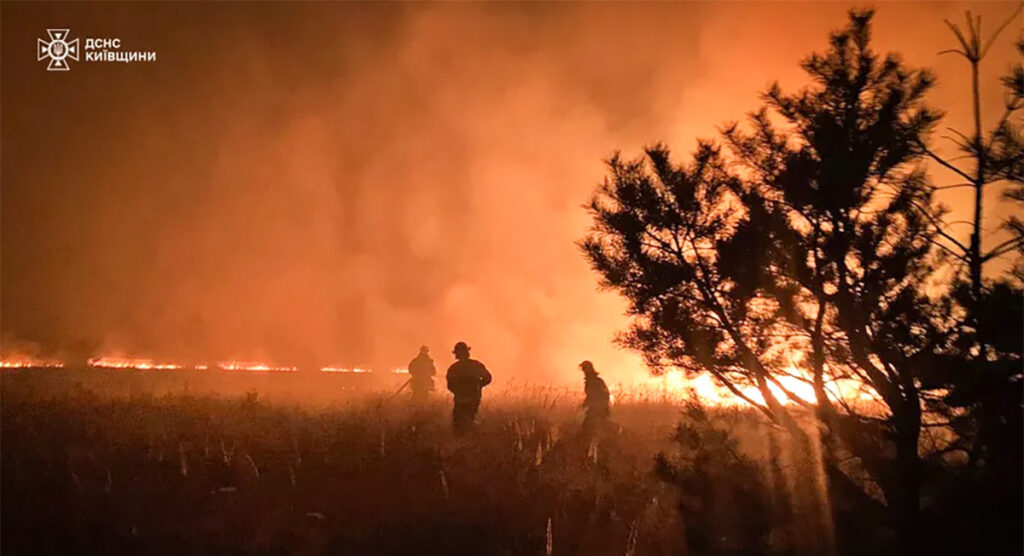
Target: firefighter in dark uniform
x=466, y=380
x=421, y=375
x=597, y=402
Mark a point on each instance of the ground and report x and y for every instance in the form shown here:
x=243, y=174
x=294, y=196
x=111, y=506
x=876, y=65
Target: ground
x=191, y=473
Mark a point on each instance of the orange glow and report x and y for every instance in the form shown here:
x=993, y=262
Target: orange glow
x=30, y=362
x=334, y=369
x=114, y=362
x=675, y=384
x=428, y=200
x=253, y=366
x=108, y=362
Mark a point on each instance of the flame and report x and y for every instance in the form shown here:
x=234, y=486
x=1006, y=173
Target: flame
x=673, y=383
x=253, y=366
x=109, y=362
x=335, y=369
x=114, y=362
x=676, y=384
x=26, y=362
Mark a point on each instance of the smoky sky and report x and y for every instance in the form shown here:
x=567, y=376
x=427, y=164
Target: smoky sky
x=338, y=183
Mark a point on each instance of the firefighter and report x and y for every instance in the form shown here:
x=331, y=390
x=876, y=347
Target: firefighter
x=597, y=402
x=466, y=379
x=421, y=375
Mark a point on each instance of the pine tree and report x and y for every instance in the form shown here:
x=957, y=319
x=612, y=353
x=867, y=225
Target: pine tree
x=811, y=234
x=983, y=374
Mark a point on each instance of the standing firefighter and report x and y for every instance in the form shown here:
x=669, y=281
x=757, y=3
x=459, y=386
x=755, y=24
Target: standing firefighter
x=466, y=380
x=597, y=401
x=421, y=375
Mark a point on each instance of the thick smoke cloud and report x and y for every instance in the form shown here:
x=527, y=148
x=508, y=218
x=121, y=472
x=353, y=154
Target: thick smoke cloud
x=340, y=183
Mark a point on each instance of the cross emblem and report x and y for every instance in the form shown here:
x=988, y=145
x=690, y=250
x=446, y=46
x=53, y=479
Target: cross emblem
x=58, y=49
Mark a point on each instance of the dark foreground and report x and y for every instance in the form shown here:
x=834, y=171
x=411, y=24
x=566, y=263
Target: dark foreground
x=175, y=473
x=178, y=474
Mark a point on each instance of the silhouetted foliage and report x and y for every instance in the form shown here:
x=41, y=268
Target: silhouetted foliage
x=983, y=372
x=996, y=156
x=724, y=502
x=811, y=232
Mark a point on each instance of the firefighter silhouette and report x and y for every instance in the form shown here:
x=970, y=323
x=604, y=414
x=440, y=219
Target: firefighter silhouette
x=597, y=402
x=466, y=380
x=421, y=375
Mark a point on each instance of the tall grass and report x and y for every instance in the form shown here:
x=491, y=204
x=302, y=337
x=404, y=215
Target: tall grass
x=369, y=474
x=149, y=471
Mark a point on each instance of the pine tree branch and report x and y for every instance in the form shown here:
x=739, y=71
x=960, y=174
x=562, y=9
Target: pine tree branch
x=953, y=186
x=729, y=385
x=940, y=160
x=1000, y=29
x=793, y=397
x=938, y=226
x=959, y=37
x=960, y=257
x=1004, y=248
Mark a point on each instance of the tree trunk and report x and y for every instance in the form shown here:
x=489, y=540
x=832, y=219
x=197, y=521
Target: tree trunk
x=975, y=259
x=905, y=498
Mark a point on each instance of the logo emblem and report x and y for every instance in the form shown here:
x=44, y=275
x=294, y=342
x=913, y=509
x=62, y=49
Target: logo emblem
x=58, y=49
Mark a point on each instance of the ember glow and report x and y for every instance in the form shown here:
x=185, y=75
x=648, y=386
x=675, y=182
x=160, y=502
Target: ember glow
x=127, y=363
x=147, y=364
x=336, y=369
x=30, y=363
x=253, y=366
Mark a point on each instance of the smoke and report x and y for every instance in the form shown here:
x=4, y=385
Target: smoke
x=322, y=184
